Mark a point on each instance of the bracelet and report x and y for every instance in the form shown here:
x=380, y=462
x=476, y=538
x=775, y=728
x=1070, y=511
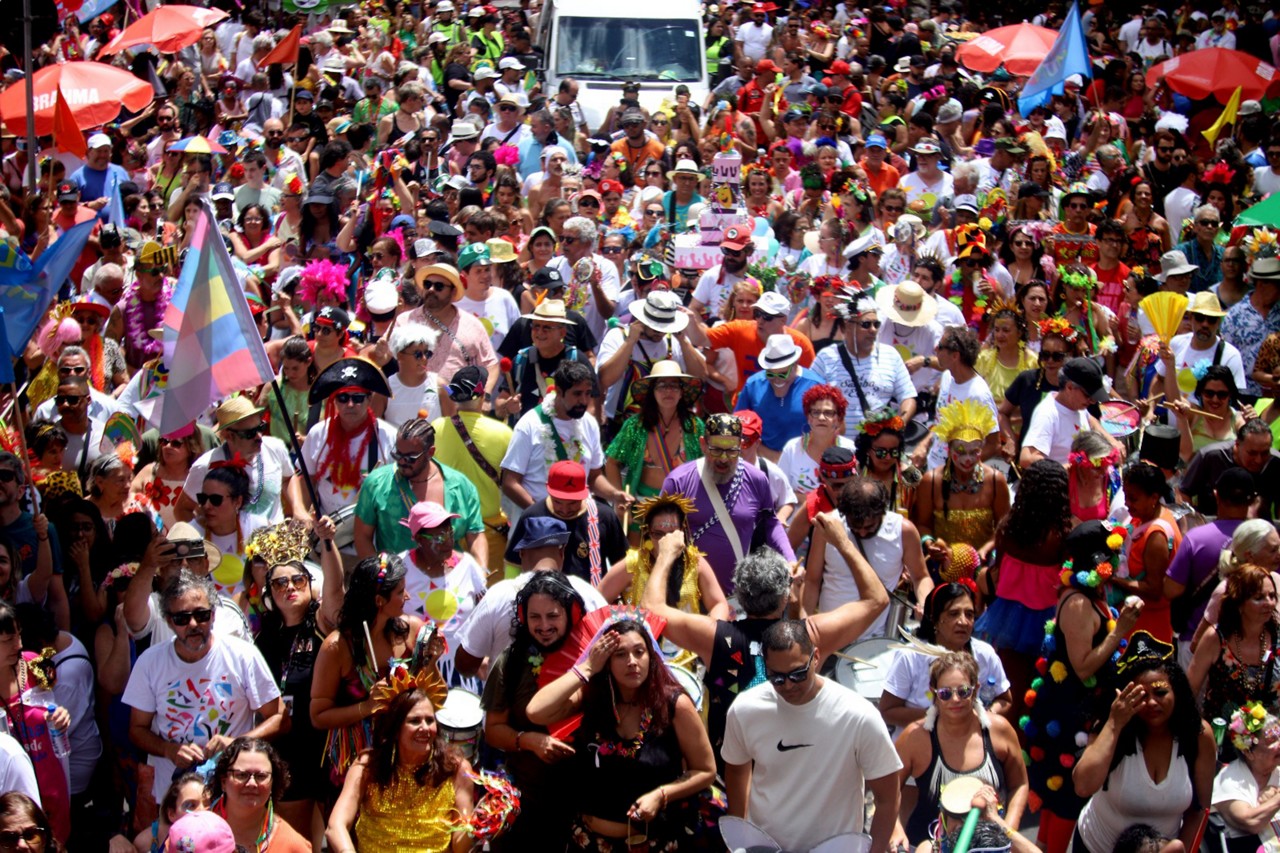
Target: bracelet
x=42, y=538
x=927, y=540
x=581, y=676
x=518, y=734
x=662, y=789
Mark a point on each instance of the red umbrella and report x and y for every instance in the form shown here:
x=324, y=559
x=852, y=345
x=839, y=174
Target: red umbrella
x=1217, y=71
x=169, y=28
x=95, y=92
x=1020, y=48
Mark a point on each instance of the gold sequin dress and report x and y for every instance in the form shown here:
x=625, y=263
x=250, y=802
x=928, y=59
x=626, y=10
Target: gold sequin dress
x=406, y=816
x=972, y=526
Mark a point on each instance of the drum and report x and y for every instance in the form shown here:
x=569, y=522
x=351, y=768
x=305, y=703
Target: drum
x=345, y=537
x=863, y=667
x=689, y=683
x=1122, y=420
x=460, y=721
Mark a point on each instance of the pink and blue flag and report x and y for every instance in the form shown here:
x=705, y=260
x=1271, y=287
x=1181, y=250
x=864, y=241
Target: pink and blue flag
x=211, y=344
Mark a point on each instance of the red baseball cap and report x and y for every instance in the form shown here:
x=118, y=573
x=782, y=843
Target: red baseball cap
x=736, y=238
x=768, y=66
x=608, y=186
x=567, y=481
x=751, y=424
x=839, y=67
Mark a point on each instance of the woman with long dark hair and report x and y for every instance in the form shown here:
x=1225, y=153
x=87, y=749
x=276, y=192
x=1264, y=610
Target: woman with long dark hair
x=373, y=633
x=247, y=782
x=1153, y=759
x=1154, y=540
x=947, y=622
x=1033, y=299
x=224, y=521
x=1218, y=399
x=643, y=753
x=547, y=608
x=409, y=790
x=878, y=448
x=664, y=434
x=822, y=324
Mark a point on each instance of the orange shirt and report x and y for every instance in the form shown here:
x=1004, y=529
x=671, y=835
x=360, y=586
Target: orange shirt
x=886, y=178
x=743, y=338
x=636, y=157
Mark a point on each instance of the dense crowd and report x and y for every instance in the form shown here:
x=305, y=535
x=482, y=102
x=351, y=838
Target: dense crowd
x=826, y=454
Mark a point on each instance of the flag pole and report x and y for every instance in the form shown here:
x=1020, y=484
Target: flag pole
x=297, y=449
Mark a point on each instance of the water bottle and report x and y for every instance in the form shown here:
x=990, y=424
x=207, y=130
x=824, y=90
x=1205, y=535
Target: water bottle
x=987, y=692
x=61, y=742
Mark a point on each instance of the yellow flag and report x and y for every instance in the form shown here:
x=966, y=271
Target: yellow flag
x=1228, y=117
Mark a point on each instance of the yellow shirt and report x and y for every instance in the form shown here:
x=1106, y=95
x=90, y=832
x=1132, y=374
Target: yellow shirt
x=491, y=437
x=999, y=377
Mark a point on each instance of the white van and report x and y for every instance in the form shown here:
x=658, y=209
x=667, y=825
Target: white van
x=656, y=43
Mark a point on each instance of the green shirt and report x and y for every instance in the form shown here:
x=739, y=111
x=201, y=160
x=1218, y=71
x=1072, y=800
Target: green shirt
x=362, y=113
x=382, y=506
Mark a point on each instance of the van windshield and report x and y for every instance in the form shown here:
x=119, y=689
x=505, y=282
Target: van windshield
x=626, y=48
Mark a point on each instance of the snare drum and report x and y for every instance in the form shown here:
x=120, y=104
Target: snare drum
x=460, y=720
x=344, y=539
x=1122, y=420
x=689, y=683
x=865, y=676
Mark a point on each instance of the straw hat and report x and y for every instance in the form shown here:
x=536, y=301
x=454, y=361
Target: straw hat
x=500, y=251
x=550, y=311
x=236, y=410
x=444, y=271
x=668, y=369
x=907, y=304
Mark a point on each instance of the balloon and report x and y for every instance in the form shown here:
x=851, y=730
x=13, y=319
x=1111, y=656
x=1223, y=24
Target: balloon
x=230, y=571
x=772, y=251
x=441, y=605
x=761, y=228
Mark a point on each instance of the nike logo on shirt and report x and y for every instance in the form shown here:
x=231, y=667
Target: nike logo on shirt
x=787, y=747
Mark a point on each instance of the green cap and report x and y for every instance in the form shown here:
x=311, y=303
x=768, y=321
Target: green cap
x=472, y=254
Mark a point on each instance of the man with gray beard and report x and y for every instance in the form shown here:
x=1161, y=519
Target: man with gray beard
x=733, y=500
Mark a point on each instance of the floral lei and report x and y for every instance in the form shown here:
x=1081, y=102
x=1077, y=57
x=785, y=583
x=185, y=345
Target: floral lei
x=627, y=748
x=137, y=335
x=574, y=446
x=1079, y=458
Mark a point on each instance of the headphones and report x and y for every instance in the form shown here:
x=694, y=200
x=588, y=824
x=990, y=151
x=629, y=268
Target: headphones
x=556, y=579
x=268, y=602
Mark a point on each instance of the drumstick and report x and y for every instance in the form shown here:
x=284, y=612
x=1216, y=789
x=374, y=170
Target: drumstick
x=853, y=659
x=1203, y=413
x=373, y=654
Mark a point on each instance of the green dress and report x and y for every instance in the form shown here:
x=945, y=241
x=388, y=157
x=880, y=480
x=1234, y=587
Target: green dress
x=630, y=447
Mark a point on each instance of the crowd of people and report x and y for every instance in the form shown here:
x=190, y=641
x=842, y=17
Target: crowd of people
x=951, y=470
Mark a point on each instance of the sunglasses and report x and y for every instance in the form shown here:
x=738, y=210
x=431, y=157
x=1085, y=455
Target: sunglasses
x=435, y=538
x=1052, y=356
x=419, y=354
x=506, y=108
x=886, y=453
x=171, y=442
x=407, y=457
x=1204, y=318
x=588, y=202
x=373, y=256
x=1164, y=149
x=1210, y=222
x=1077, y=205
x=151, y=270
x=203, y=498
x=870, y=324
x=653, y=173
x=733, y=253
x=777, y=374
x=437, y=286
x=70, y=399
x=761, y=314
x=795, y=676
x=295, y=581
x=249, y=433
x=568, y=240
x=1216, y=395
x=351, y=399
x=183, y=617
x=656, y=212
x=897, y=208
x=946, y=694
x=7, y=476
x=10, y=837
x=1026, y=244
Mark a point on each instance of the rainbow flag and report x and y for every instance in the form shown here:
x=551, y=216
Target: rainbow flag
x=211, y=344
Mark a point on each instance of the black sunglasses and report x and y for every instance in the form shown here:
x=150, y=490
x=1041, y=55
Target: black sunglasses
x=70, y=399
x=437, y=286
x=407, y=457
x=1052, y=356
x=183, y=617
x=795, y=676
x=203, y=498
x=296, y=581
x=345, y=399
x=252, y=432
x=7, y=476
x=886, y=453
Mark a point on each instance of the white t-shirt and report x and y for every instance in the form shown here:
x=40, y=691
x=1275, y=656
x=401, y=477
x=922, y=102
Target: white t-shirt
x=644, y=353
x=532, y=451
x=931, y=193
x=1236, y=782
x=74, y=691
x=884, y=553
x=267, y=482
x=755, y=39
x=1053, y=427
x=918, y=340
x=455, y=595
x=798, y=465
x=1185, y=357
x=16, y=773
x=712, y=292
x=488, y=630
x=192, y=702
x=1265, y=181
x=498, y=312
x=950, y=391
x=228, y=575
x=76, y=452
x=838, y=728
x=406, y=402
x=783, y=494
x=948, y=312
x=314, y=451
x=1179, y=204
x=908, y=675
x=609, y=283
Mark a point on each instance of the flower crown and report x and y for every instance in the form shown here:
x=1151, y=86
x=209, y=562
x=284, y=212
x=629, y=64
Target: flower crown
x=124, y=570
x=1060, y=327
x=400, y=680
x=1248, y=725
x=1102, y=572
x=1082, y=279
x=1221, y=173
x=881, y=420
x=1078, y=458
x=964, y=420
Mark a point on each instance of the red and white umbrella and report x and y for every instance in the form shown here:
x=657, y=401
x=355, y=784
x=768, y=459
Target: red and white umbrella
x=169, y=28
x=1019, y=48
x=1217, y=71
x=95, y=91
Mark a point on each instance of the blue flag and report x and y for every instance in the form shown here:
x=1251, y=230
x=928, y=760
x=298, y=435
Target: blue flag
x=6, y=361
x=1069, y=55
x=25, y=294
x=114, y=212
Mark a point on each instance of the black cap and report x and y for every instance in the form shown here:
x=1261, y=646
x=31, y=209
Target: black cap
x=631, y=86
x=837, y=456
x=467, y=384
x=1086, y=544
x=68, y=191
x=546, y=277
x=444, y=229
x=1087, y=373
x=1236, y=486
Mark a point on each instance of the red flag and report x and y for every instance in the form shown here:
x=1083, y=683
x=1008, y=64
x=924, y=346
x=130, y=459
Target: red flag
x=286, y=52
x=66, y=133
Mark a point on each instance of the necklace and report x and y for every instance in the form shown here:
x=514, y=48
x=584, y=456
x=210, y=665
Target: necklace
x=971, y=486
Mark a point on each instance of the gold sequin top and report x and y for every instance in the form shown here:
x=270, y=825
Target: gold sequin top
x=406, y=816
x=971, y=526
x=638, y=566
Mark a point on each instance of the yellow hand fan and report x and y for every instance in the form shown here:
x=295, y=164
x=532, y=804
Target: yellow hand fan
x=1165, y=310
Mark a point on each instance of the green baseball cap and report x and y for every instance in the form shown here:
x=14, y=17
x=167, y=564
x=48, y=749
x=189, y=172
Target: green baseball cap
x=472, y=254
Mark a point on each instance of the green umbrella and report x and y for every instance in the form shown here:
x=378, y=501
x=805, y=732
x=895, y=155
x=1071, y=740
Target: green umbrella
x=1265, y=212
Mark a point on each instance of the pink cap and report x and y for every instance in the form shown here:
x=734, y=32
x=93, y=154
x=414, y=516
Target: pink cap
x=426, y=515
x=200, y=832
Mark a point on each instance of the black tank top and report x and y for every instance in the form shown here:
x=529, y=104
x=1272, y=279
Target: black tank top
x=929, y=784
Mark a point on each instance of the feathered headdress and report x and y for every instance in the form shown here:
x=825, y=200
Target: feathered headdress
x=964, y=420
x=323, y=277
x=647, y=507
x=1172, y=121
x=999, y=305
x=428, y=680
x=1262, y=243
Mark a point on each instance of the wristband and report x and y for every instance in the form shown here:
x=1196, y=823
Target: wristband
x=927, y=540
x=581, y=676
